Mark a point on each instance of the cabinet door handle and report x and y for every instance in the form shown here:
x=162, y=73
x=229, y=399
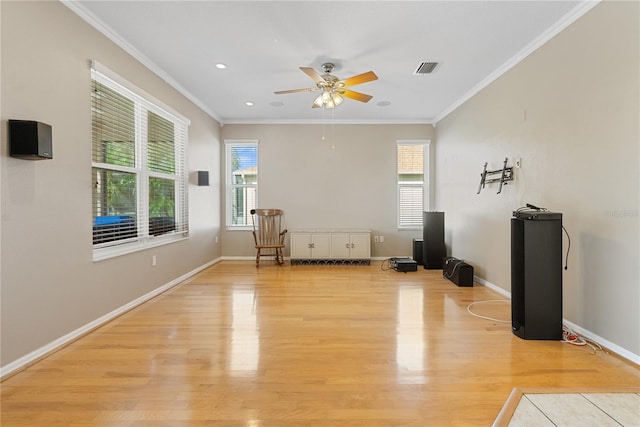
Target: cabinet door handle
x=353, y=245
x=346, y=246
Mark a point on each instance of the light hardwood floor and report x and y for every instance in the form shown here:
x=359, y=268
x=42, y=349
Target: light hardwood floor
x=304, y=345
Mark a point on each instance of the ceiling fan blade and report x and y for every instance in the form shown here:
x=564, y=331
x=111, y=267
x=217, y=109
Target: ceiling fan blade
x=360, y=78
x=351, y=94
x=311, y=89
x=313, y=74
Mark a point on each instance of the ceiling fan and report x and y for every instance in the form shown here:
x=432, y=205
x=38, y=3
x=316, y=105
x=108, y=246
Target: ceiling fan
x=333, y=89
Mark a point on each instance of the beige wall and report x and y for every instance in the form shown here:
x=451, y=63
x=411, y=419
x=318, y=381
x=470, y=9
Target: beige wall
x=570, y=111
x=50, y=285
x=346, y=181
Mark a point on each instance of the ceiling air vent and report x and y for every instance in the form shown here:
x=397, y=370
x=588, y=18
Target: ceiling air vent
x=426, y=68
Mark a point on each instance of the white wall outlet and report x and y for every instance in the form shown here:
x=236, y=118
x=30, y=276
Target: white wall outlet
x=381, y=239
x=518, y=163
x=153, y=260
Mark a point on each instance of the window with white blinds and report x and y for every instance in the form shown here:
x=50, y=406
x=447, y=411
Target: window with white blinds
x=140, y=182
x=412, y=178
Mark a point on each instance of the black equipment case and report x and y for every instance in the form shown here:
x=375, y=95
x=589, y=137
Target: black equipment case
x=458, y=271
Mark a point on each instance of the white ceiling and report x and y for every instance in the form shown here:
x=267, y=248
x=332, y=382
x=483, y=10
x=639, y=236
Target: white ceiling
x=264, y=42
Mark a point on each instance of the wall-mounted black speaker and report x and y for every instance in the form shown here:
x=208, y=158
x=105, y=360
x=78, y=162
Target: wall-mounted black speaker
x=30, y=140
x=203, y=178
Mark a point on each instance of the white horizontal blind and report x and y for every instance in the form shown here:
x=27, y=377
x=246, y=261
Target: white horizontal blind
x=411, y=173
x=410, y=205
x=139, y=175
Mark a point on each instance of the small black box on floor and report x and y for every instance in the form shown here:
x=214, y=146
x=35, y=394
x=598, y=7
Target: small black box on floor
x=403, y=264
x=418, y=256
x=458, y=271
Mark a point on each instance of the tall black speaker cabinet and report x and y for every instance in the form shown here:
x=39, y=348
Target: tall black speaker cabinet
x=433, y=248
x=536, y=275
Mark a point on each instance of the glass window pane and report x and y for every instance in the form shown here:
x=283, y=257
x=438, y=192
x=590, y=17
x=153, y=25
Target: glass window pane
x=410, y=159
x=244, y=164
x=113, y=133
x=162, y=206
x=161, y=145
x=243, y=199
x=114, y=205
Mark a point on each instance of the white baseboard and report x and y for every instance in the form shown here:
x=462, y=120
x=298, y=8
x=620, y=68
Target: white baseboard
x=614, y=348
x=40, y=353
x=622, y=352
x=493, y=287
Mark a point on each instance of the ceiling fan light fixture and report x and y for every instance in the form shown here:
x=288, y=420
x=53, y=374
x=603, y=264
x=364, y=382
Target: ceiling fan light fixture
x=329, y=103
x=333, y=89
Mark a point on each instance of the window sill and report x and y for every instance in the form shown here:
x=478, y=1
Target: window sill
x=129, y=248
x=239, y=228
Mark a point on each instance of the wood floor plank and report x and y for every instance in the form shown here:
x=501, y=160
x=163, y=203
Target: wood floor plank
x=307, y=345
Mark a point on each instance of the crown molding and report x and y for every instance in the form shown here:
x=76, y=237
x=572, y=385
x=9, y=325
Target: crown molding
x=326, y=122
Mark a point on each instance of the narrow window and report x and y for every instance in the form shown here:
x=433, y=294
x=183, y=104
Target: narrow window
x=412, y=178
x=242, y=182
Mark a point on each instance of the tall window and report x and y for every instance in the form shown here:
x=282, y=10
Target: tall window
x=242, y=182
x=138, y=169
x=413, y=185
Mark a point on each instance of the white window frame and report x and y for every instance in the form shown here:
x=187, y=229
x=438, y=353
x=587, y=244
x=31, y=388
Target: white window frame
x=143, y=100
x=229, y=145
x=426, y=186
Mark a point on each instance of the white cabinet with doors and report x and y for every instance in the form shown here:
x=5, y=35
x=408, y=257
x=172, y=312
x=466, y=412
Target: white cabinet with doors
x=330, y=246
x=351, y=245
x=310, y=245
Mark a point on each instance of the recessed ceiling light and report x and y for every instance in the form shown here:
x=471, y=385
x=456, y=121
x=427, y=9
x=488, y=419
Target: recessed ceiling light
x=249, y=104
x=221, y=66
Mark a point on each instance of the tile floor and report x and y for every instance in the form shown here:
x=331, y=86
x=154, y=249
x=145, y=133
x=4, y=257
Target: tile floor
x=577, y=409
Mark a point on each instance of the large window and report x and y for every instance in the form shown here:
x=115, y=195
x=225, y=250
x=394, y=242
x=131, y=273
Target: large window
x=138, y=169
x=242, y=182
x=413, y=182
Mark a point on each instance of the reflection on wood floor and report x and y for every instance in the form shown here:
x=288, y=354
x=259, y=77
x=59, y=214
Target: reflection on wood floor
x=297, y=346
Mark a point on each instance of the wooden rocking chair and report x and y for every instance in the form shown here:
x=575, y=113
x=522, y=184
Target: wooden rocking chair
x=267, y=233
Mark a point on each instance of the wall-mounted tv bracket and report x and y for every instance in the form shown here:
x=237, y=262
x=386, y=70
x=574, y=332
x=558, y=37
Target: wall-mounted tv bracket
x=506, y=174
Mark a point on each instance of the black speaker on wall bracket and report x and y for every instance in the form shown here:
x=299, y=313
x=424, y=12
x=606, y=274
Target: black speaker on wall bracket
x=203, y=178
x=30, y=140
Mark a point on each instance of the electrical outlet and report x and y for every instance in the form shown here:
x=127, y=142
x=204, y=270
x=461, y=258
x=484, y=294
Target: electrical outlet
x=381, y=239
x=153, y=260
x=518, y=163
